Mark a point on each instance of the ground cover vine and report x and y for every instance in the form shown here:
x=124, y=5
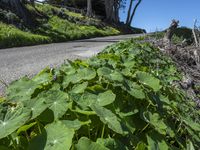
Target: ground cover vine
x=122, y=99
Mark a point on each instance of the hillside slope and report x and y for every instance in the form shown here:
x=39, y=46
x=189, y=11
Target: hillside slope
x=54, y=25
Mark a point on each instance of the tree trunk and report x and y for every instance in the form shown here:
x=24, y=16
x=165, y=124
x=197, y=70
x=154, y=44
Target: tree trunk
x=129, y=12
x=109, y=4
x=89, y=8
x=17, y=7
x=133, y=13
x=116, y=11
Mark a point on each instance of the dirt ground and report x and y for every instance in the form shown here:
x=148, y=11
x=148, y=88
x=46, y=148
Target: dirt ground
x=186, y=57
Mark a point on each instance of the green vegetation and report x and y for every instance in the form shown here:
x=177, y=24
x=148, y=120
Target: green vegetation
x=124, y=98
x=180, y=34
x=1, y=99
x=61, y=25
x=184, y=32
x=11, y=36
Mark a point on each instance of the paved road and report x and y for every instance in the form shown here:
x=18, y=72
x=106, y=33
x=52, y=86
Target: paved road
x=18, y=62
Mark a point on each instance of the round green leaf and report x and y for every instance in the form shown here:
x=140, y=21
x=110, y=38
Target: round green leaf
x=87, y=73
x=110, y=74
x=57, y=101
x=135, y=90
x=79, y=88
x=108, y=117
x=86, y=144
x=105, y=98
x=112, y=144
x=149, y=80
x=12, y=118
x=44, y=77
x=55, y=136
x=21, y=90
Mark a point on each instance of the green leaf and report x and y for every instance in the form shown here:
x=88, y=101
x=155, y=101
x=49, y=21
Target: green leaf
x=112, y=144
x=108, y=117
x=148, y=80
x=105, y=98
x=190, y=146
x=110, y=74
x=44, y=77
x=156, y=141
x=102, y=99
x=116, y=76
x=75, y=124
x=43, y=116
x=127, y=72
x=79, y=88
x=81, y=74
x=57, y=101
x=12, y=118
x=21, y=90
x=130, y=64
x=87, y=73
x=141, y=146
x=72, y=78
x=67, y=69
x=104, y=71
x=86, y=144
x=85, y=100
x=36, y=106
x=55, y=136
x=192, y=124
x=135, y=90
x=155, y=120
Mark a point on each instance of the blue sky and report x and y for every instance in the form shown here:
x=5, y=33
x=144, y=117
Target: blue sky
x=157, y=14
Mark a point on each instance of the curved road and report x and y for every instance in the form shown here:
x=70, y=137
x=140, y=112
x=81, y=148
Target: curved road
x=18, y=62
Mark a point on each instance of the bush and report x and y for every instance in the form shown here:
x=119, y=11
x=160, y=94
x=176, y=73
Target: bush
x=183, y=33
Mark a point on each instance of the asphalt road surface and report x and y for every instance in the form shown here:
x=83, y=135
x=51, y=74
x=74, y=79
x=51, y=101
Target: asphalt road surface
x=18, y=62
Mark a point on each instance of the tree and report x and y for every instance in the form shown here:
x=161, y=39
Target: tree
x=129, y=11
x=132, y=11
x=112, y=10
x=107, y=9
x=17, y=7
x=89, y=8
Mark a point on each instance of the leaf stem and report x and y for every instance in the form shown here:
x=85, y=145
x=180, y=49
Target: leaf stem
x=96, y=133
x=14, y=143
x=103, y=130
x=84, y=112
x=107, y=85
x=144, y=128
x=88, y=126
x=38, y=124
x=27, y=136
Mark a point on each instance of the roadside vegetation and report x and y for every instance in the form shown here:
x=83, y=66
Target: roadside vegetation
x=140, y=94
x=58, y=25
x=126, y=97
x=10, y=36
